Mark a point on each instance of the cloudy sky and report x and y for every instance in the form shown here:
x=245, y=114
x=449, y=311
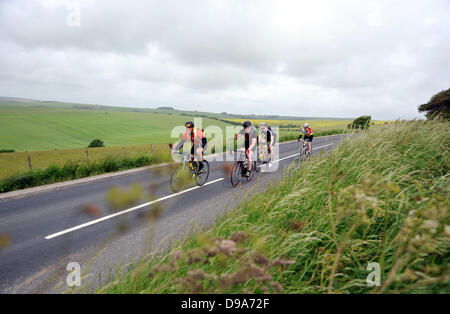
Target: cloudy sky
x=306, y=58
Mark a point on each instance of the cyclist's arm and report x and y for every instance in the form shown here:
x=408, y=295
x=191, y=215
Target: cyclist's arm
x=252, y=145
x=181, y=142
x=179, y=145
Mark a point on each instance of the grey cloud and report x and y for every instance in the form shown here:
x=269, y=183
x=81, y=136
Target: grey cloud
x=328, y=58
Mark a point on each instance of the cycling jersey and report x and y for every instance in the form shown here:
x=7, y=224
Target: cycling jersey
x=249, y=136
x=267, y=135
x=196, y=137
x=306, y=132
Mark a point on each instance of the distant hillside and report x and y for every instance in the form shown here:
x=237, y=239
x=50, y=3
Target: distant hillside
x=13, y=101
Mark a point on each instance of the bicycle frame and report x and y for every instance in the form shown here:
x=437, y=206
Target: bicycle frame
x=199, y=178
x=263, y=155
x=304, y=150
x=242, y=165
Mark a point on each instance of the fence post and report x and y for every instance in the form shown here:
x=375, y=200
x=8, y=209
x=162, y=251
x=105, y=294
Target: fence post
x=152, y=149
x=87, y=155
x=29, y=162
x=125, y=151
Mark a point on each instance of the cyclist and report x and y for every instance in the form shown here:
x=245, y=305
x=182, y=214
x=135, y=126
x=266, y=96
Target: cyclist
x=267, y=136
x=308, y=135
x=198, y=141
x=249, y=147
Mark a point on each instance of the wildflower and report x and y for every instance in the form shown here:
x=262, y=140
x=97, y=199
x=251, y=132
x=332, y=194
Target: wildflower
x=259, y=258
x=227, y=247
x=177, y=254
x=283, y=262
x=431, y=225
x=238, y=237
x=447, y=230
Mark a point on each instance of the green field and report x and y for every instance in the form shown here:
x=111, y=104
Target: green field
x=31, y=129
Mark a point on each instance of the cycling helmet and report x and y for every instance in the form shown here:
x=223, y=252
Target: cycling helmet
x=306, y=125
x=189, y=124
x=246, y=124
x=263, y=124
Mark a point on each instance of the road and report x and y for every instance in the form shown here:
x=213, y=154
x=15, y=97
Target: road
x=48, y=230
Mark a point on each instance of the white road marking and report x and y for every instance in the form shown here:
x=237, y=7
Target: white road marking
x=297, y=153
x=57, y=234
x=54, y=235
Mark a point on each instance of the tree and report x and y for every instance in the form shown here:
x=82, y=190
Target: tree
x=362, y=123
x=439, y=105
x=97, y=143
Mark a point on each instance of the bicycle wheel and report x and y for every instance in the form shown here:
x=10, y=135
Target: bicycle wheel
x=301, y=153
x=236, y=173
x=201, y=178
x=180, y=178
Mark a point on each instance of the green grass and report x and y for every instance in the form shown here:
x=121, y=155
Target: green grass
x=380, y=197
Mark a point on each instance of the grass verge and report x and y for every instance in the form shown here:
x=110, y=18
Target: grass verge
x=381, y=197
x=73, y=170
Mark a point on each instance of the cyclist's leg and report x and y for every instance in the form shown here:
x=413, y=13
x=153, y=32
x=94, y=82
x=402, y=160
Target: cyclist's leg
x=249, y=156
x=270, y=149
x=192, y=156
x=199, y=153
x=310, y=142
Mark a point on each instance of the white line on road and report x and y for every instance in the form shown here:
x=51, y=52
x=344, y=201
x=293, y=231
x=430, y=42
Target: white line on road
x=54, y=235
x=297, y=153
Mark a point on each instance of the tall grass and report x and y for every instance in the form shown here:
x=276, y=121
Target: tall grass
x=381, y=196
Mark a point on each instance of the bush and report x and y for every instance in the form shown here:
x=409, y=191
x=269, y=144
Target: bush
x=96, y=143
x=362, y=123
x=438, y=106
x=6, y=151
x=142, y=161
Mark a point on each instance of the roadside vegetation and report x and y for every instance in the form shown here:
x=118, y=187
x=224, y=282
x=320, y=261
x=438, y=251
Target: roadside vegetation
x=71, y=171
x=380, y=196
x=79, y=164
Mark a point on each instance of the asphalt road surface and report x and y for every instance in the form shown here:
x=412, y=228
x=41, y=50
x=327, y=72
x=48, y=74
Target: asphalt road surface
x=48, y=230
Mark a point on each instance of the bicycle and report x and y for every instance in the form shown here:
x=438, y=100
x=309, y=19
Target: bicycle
x=304, y=153
x=263, y=156
x=187, y=171
x=239, y=168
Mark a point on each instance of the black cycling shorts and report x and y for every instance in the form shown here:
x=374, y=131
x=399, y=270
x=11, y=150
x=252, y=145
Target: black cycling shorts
x=309, y=138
